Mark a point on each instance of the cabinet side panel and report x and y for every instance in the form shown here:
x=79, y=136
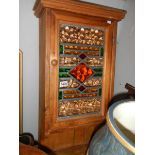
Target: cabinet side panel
x=114, y=28
x=108, y=58
x=43, y=75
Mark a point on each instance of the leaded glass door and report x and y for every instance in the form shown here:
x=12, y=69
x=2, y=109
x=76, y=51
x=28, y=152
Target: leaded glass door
x=81, y=71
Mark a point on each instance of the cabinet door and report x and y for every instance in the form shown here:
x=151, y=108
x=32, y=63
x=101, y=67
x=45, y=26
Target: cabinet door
x=80, y=61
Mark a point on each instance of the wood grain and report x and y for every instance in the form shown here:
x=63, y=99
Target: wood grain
x=68, y=137
x=113, y=56
x=75, y=150
x=29, y=150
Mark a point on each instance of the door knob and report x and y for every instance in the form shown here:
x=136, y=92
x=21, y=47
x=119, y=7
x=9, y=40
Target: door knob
x=54, y=62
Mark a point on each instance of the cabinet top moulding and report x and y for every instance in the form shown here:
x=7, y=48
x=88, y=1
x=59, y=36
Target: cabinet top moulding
x=79, y=7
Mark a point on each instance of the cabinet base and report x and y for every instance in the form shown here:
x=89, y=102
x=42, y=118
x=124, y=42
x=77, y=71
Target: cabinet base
x=67, y=138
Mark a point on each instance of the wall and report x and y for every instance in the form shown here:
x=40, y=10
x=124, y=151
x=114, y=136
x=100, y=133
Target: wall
x=125, y=57
x=29, y=43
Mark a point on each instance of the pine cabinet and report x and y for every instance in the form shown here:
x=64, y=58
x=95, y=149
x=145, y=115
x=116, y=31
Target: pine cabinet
x=77, y=43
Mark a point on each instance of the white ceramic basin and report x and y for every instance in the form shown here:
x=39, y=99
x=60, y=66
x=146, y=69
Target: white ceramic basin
x=125, y=115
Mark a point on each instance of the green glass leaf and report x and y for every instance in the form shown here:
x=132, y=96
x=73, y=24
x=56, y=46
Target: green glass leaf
x=61, y=49
x=60, y=95
x=64, y=69
x=100, y=91
x=63, y=75
x=98, y=69
x=101, y=51
x=98, y=74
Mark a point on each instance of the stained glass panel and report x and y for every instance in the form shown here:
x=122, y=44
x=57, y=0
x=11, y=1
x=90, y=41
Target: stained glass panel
x=81, y=60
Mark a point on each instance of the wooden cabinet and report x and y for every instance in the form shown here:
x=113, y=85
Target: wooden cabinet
x=76, y=60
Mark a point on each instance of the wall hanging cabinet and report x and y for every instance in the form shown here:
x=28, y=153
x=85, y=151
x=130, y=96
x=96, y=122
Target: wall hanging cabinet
x=77, y=42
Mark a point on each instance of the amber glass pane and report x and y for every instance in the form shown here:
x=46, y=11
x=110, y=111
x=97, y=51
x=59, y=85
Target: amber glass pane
x=81, y=72
x=81, y=59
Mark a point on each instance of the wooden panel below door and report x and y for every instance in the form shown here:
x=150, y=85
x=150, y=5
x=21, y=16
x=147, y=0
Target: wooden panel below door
x=67, y=138
x=83, y=134
x=59, y=140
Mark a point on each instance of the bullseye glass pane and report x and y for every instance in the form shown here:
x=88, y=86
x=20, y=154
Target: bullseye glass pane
x=81, y=59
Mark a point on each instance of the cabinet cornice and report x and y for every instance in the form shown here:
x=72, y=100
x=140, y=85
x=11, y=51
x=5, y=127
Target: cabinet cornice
x=79, y=7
